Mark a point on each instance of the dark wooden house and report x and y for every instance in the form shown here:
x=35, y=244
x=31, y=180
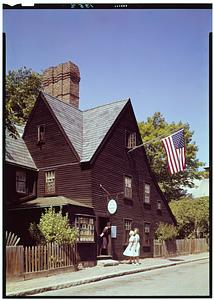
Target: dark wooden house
x=20, y=180
x=87, y=159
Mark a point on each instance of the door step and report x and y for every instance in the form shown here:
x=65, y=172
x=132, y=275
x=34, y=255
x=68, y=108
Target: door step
x=107, y=262
x=104, y=257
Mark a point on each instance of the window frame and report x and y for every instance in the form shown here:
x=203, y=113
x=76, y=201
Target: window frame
x=159, y=205
x=41, y=134
x=147, y=194
x=147, y=233
x=47, y=191
x=129, y=194
x=89, y=237
x=127, y=230
x=19, y=181
x=147, y=228
x=131, y=139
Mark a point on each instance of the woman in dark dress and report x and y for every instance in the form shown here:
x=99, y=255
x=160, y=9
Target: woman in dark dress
x=105, y=238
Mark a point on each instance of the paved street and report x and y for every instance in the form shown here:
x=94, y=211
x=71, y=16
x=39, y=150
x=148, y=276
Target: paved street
x=190, y=279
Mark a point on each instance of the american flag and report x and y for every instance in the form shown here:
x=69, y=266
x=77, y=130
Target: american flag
x=175, y=149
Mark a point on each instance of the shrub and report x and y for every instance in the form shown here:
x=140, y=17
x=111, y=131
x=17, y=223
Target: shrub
x=192, y=216
x=53, y=227
x=166, y=231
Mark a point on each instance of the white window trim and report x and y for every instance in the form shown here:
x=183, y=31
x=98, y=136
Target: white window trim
x=131, y=139
x=127, y=228
x=147, y=193
x=147, y=228
x=50, y=177
x=86, y=229
x=159, y=205
x=128, y=187
x=41, y=135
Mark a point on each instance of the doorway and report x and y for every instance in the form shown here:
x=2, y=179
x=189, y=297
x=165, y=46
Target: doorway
x=102, y=221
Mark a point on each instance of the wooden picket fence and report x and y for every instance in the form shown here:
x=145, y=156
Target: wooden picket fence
x=47, y=257
x=25, y=260
x=14, y=261
x=179, y=247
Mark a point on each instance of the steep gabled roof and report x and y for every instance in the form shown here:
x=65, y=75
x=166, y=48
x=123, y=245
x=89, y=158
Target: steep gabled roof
x=17, y=152
x=96, y=124
x=71, y=120
x=85, y=129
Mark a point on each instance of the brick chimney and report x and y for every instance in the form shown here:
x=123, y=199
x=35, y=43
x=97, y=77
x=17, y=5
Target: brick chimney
x=62, y=82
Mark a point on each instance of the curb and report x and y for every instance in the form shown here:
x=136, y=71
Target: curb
x=97, y=278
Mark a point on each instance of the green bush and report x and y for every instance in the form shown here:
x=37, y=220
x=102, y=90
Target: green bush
x=53, y=227
x=166, y=231
x=192, y=216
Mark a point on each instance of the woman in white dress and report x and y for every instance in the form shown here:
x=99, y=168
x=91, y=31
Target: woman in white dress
x=129, y=249
x=136, y=246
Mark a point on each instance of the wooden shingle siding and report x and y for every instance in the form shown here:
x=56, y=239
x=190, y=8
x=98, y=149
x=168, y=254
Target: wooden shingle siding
x=112, y=163
x=11, y=195
x=98, y=157
x=70, y=182
x=56, y=148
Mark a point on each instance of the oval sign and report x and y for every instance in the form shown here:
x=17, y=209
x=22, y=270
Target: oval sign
x=112, y=206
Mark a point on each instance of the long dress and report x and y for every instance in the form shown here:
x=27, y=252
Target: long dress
x=129, y=249
x=136, y=246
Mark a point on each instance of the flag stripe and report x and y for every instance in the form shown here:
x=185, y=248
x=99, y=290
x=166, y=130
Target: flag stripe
x=176, y=152
x=184, y=158
x=174, y=155
x=168, y=156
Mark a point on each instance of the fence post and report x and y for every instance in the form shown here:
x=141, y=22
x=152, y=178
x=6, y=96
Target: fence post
x=14, y=261
x=190, y=246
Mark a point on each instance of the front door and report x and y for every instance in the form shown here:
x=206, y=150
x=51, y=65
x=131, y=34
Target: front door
x=101, y=249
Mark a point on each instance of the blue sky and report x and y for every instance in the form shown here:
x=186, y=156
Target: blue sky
x=156, y=57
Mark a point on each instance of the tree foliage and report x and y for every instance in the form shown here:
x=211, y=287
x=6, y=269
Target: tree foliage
x=53, y=227
x=192, y=217
x=22, y=88
x=166, y=231
x=171, y=185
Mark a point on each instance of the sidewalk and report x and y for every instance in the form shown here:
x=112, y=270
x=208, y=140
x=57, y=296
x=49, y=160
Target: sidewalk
x=99, y=272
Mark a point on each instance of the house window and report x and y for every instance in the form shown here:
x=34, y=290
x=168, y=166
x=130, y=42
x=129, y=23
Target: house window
x=21, y=186
x=85, y=226
x=128, y=187
x=127, y=228
x=147, y=228
x=41, y=134
x=130, y=139
x=50, y=182
x=147, y=239
x=159, y=204
x=147, y=193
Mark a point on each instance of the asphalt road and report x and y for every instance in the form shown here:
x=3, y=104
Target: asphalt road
x=191, y=279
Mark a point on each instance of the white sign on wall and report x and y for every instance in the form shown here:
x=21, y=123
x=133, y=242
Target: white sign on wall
x=113, y=231
x=112, y=206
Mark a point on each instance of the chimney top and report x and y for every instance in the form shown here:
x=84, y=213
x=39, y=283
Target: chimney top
x=62, y=82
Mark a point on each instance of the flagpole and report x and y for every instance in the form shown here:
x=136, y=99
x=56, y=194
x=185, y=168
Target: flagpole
x=151, y=141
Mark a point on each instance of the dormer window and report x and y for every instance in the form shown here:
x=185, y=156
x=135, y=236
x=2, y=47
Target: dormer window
x=41, y=134
x=130, y=139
